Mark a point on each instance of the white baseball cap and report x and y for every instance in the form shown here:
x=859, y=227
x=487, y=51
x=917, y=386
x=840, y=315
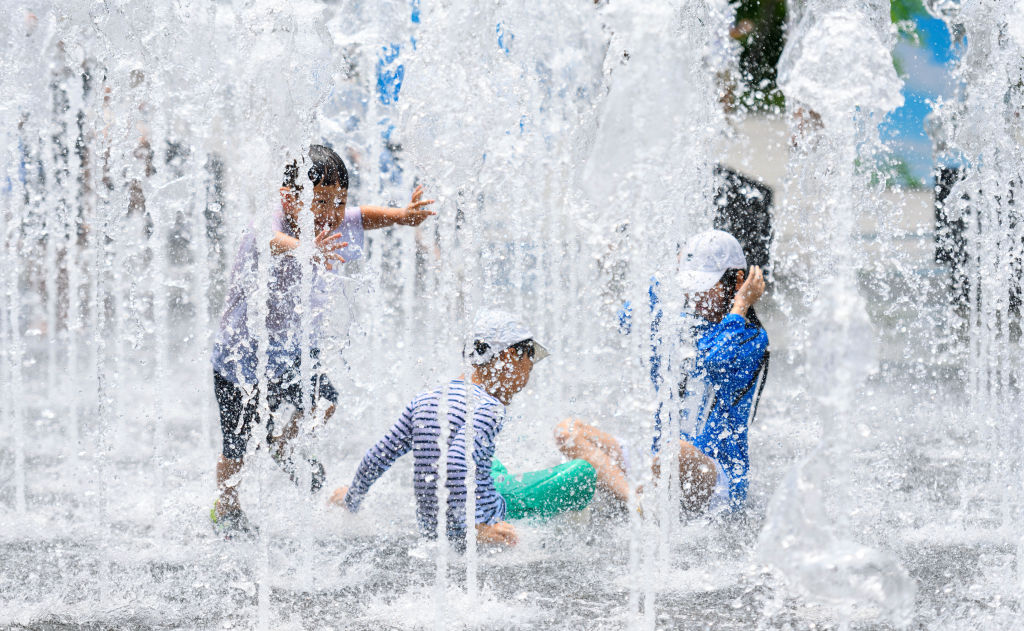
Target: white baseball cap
x=708, y=255
x=495, y=330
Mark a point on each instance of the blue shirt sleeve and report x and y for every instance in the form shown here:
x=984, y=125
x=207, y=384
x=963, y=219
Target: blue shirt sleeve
x=730, y=353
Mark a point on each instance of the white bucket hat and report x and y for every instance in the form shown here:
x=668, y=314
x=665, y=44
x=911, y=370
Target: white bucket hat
x=708, y=255
x=495, y=330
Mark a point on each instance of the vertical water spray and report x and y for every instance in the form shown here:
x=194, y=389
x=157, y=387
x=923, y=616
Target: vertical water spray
x=470, y=515
x=836, y=117
x=983, y=126
x=441, y=521
x=653, y=155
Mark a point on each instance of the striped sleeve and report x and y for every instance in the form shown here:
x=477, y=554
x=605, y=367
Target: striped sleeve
x=395, y=444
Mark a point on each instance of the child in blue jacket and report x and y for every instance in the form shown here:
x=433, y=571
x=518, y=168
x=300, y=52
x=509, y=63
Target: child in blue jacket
x=714, y=391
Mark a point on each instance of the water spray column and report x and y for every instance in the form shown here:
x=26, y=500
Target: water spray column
x=470, y=438
x=441, y=522
x=984, y=127
x=801, y=538
x=75, y=195
x=650, y=115
x=448, y=148
x=32, y=41
x=13, y=343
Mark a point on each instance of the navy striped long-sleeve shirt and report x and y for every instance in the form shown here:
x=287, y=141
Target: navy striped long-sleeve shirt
x=418, y=430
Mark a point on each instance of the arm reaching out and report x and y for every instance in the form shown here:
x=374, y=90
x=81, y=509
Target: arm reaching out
x=377, y=460
x=413, y=214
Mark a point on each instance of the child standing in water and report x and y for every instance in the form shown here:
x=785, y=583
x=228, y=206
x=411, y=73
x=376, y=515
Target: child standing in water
x=338, y=236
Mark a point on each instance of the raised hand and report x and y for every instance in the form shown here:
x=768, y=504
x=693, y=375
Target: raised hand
x=327, y=245
x=750, y=291
x=415, y=212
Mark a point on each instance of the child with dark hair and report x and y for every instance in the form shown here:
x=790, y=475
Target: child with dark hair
x=502, y=351
x=714, y=393
x=236, y=354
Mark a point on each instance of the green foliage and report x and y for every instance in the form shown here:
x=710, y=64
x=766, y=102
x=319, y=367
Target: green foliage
x=904, y=10
x=896, y=174
x=761, y=49
x=903, y=14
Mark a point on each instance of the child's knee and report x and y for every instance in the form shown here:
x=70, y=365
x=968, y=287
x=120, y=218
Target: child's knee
x=567, y=431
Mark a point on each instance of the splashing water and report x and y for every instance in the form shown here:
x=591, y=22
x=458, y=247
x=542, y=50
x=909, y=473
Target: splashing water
x=571, y=151
x=798, y=537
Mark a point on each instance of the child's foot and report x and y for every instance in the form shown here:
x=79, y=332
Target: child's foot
x=233, y=525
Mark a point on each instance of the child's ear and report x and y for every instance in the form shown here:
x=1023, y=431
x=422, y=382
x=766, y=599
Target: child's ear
x=740, y=277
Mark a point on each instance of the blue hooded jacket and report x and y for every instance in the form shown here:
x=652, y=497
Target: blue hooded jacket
x=726, y=376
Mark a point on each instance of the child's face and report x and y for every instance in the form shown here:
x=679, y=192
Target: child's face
x=509, y=373
x=713, y=304
x=328, y=204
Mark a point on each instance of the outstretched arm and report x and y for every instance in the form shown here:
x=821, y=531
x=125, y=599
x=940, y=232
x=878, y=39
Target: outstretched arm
x=413, y=214
x=377, y=460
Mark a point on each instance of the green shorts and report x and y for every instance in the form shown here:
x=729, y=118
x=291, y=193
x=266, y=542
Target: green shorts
x=540, y=494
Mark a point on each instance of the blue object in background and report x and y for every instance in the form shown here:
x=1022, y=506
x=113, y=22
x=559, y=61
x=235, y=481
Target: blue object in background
x=389, y=74
x=925, y=58
x=390, y=171
x=504, y=39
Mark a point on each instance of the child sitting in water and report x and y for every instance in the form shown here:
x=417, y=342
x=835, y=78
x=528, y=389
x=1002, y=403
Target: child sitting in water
x=716, y=394
x=338, y=236
x=502, y=351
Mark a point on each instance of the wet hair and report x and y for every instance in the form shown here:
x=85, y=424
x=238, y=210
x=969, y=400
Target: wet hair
x=291, y=176
x=326, y=169
x=525, y=347
x=728, y=281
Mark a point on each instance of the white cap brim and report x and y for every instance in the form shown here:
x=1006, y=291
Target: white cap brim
x=691, y=282
x=539, y=351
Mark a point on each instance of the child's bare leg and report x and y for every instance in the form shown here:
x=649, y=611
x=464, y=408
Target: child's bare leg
x=280, y=446
x=576, y=439
x=697, y=477
x=227, y=485
x=283, y=451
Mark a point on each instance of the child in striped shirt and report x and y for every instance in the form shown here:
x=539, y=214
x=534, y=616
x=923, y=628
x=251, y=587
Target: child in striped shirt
x=502, y=351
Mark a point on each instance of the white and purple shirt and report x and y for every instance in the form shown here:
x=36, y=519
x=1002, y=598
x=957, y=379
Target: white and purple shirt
x=236, y=347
